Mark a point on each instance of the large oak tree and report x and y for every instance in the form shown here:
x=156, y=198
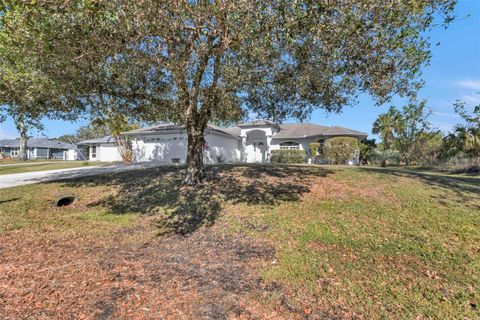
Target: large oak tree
x=191, y=62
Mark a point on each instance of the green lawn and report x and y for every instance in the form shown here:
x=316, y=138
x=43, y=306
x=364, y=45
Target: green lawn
x=14, y=161
x=344, y=242
x=33, y=166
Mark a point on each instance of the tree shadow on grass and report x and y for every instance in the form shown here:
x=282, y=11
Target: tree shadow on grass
x=466, y=188
x=9, y=200
x=159, y=191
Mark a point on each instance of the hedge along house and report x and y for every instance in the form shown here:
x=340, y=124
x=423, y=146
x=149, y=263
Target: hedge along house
x=100, y=149
x=251, y=142
x=39, y=148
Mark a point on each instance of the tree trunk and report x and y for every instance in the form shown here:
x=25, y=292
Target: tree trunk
x=23, y=143
x=196, y=142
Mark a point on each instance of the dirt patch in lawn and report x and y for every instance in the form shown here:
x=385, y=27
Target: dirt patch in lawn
x=202, y=275
x=328, y=188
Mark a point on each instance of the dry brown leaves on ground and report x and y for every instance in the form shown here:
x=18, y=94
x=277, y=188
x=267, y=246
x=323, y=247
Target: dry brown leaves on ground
x=204, y=275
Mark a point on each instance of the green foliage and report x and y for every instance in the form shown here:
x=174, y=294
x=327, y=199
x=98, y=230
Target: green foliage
x=191, y=62
x=366, y=146
x=408, y=131
x=68, y=138
x=414, y=132
x=288, y=156
x=314, y=148
x=384, y=157
x=385, y=126
x=471, y=118
x=464, y=140
x=339, y=150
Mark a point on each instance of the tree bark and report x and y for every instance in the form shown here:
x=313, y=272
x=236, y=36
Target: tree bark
x=196, y=142
x=23, y=143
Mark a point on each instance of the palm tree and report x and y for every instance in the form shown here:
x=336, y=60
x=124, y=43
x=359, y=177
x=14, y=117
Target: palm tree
x=386, y=125
x=464, y=139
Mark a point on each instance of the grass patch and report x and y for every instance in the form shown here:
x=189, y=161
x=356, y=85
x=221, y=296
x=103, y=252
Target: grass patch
x=33, y=207
x=380, y=243
x=32, y=166
x=368, y=243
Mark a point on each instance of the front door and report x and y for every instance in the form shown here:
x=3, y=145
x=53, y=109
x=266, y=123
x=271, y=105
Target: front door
x=259, y=148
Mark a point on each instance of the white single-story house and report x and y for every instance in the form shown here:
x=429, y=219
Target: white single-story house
x=39, y=148
x=101, y=149
x=247, y=142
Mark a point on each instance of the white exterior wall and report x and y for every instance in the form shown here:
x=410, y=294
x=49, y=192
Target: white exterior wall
x=108, y=152
x=71, y=154
x=228, y=148
x=303, y=143
x=163, y=148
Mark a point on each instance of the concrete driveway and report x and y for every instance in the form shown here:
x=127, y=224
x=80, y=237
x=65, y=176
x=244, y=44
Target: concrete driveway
x=20, y=179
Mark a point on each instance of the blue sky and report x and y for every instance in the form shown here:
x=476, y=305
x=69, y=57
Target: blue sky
x=453, y=73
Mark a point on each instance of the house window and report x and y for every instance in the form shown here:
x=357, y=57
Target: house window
x=289, y=145
x=14, y=152
x=94, y=152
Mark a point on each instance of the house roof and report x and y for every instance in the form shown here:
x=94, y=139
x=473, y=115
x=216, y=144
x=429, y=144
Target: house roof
x=36, y=143
x=106, y=139
x=255, y=123
x=166, y=128
x=302, y=130
x=285, y=131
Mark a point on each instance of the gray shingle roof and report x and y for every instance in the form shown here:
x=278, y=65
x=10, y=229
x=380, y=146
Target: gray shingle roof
x=286, y=131
x=165, y=128
x=299, y=130
x=340, y=131
x=106, y=139
x=255, y=123
x=37, y=143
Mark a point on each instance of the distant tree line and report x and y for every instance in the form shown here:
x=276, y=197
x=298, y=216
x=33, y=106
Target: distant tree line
x=409, y=138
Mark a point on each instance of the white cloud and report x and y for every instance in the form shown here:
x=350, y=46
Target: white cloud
x=469, y=84
x=447, y=115
x=470, y=98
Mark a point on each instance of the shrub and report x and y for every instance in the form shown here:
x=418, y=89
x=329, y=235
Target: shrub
x=339, y=150
x=314, y=147
x=385, y=157
x=288, y=156
x=367, y=148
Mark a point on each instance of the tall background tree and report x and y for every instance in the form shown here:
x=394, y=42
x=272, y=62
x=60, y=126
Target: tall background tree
x=414, y=131
x=386, y=125
x=409, y=132
x=465, y=138
x=191, y=62
x=27, y=95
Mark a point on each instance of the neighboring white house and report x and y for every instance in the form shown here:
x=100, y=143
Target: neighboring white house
x=248, y=142
x=101, y=149
x=39, y=148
